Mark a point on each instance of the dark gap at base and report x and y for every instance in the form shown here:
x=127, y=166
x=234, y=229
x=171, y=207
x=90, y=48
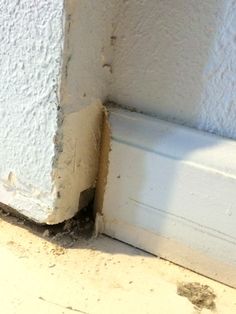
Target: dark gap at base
x=65, y=234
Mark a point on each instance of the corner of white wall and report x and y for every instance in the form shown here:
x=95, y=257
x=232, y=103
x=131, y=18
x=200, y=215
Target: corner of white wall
x=75, y=169
x=84, y=87
x=52, y=87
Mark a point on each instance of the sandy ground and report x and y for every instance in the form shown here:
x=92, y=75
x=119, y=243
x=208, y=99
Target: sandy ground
x=94, y=276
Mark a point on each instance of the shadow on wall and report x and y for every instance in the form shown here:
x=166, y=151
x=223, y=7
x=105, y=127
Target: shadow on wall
x=159, y=62
x=217, y=108
x=171, y=191
x=176, y=60
x=149, y=191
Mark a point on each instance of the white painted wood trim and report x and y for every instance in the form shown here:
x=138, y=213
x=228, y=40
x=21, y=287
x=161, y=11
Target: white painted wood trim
x=171, y=190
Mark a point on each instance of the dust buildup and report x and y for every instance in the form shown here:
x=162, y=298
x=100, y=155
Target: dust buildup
x=69, y=232
x=202, y=296
x=65, y=234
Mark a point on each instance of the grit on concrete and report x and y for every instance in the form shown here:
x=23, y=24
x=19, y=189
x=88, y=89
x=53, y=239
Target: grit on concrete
x=93, y=276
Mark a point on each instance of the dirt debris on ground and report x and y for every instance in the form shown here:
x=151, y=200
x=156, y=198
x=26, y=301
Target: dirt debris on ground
x=202, y=296
x=65, y=234
x=62, y=269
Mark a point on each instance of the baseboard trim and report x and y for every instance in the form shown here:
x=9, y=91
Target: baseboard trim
x=171, y=191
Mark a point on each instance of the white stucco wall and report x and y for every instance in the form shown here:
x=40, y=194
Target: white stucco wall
x=85, y=79
x=30, y=60
x=52, y=85
x=177, y=60
x=60, y=60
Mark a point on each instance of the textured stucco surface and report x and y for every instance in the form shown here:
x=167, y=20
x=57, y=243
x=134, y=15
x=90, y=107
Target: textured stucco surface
x=54, y=77
x=85, y=78
x=60, y=60
x=30, y=61
x=177, y=60
x=217, y=108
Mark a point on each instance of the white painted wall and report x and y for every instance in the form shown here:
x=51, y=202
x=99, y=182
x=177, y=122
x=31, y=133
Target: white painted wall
x=173, y=59
x=52, y=84
x=170, y=189
x=87, y=49
x=84, y=87
x=177, y=60
x=30, y=60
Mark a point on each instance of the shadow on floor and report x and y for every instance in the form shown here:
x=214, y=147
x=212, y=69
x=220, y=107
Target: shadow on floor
x=77, y=232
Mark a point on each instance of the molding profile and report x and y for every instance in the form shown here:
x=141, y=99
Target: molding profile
x=171, y=191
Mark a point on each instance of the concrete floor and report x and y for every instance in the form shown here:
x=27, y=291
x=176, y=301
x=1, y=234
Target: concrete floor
x=96, y=276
